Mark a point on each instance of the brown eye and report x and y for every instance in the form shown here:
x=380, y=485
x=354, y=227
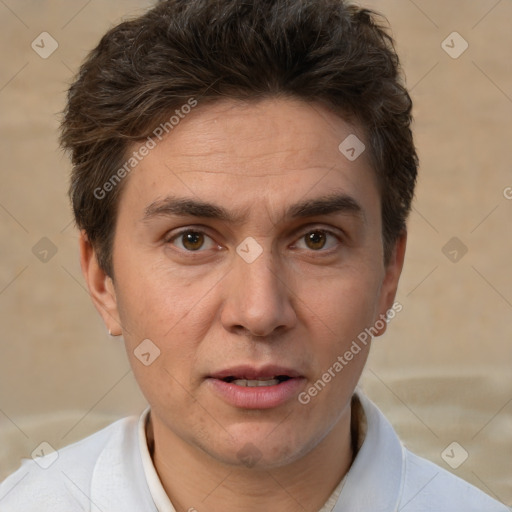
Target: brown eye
x=192, y=240
x=316, y=240
x=319, y=240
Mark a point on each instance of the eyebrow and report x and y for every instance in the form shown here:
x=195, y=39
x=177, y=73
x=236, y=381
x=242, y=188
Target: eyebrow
x=187, y=207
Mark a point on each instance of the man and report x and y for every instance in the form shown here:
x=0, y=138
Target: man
x=242, y=176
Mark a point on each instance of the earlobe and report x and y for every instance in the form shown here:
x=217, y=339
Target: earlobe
x=100, y=285
x=390, y=283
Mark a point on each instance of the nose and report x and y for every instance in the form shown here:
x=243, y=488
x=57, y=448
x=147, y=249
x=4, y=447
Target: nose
x=258, y=300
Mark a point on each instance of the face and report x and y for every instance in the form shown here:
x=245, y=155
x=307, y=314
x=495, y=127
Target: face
x=248, y=250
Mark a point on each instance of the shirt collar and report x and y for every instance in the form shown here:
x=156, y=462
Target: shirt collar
x=375, y=479
x=118, y=482
x=162, y=501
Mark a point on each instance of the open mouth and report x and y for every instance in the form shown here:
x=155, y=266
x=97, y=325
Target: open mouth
x=253, y=383
x=249, y=387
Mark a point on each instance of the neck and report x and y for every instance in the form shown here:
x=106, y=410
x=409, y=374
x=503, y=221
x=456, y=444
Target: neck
x=194, y=480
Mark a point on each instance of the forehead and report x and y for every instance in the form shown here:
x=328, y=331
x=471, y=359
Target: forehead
x=234, y=152
x=284, y=130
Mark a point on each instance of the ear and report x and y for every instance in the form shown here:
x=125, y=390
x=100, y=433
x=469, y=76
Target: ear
x=390, y=283
x=100, y=285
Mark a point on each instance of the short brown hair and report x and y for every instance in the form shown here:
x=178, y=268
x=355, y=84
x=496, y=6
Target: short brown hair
x=324, y=51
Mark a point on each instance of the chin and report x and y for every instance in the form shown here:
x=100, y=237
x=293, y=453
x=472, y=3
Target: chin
x=258, y=448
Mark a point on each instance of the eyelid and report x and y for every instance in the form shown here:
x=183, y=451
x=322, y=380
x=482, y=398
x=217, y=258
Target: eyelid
x=320, y=227
x=196, y=228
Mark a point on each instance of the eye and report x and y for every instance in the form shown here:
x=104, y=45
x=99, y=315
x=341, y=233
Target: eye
x=191, y=240
x=318, y=240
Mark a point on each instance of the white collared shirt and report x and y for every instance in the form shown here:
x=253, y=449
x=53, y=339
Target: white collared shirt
x=112, y=471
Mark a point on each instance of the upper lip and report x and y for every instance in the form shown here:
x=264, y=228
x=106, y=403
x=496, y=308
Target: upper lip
x=253, y=373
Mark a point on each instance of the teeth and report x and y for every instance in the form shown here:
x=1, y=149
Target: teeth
x=255, y=383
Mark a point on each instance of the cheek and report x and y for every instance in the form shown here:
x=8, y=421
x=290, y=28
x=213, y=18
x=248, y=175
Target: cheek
x=152, y=312
x=161, y=302
x=342, y=305
x=176, y=315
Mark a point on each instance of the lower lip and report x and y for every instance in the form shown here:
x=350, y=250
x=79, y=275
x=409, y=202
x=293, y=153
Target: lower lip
x=260, y=397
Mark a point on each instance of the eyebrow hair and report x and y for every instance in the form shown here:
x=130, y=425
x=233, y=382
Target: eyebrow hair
x=188, y=207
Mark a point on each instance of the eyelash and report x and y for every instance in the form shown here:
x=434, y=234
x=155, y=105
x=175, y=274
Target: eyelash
x=176, y=236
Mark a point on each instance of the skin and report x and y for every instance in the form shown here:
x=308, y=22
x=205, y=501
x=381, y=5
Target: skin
x=299, y=304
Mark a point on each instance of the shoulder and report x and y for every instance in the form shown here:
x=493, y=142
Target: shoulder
x=61, y=480
x=388, y=477
x=427, y=487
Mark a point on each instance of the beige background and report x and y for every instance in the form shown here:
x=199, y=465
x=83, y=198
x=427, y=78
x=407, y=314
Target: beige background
x=442, y=373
